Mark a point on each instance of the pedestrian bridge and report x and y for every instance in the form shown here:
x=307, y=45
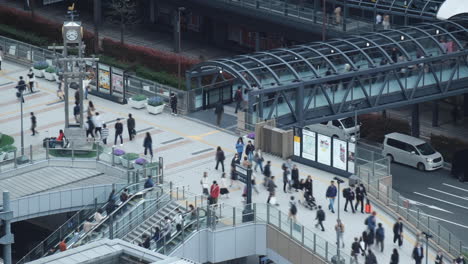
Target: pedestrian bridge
x=320, y=81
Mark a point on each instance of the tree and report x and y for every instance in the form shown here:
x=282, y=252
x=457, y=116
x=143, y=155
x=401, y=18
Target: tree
x=125, y=13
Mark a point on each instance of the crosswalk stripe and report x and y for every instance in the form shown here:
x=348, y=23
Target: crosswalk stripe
x=440, y=200
x=460, y=197
x=449, y=185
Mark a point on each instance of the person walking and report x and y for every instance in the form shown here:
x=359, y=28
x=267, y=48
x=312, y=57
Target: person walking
x=233, y=176
x=76, y=112
x=349, y=195
x=219, y=110
x=149, y=183
x=339, y=229
x=173, y=102
x=148, y=144
x=33, y=124
x=371, y=221
x=460, y=260
x=77, y=96
x=246, y=163
x=320, y=217
x=89, y=127
x=331, y=196
x=365, y=238
x=235, y=160
x=131, y=127
x=238, y=99
x=21, y=87
x=97, y=124
x=292, y=209
x=418, y=253
x=386, y=22
x=91, y=108
x=378, y=19
x=31, y=80
x=254, y=184
x=204, y=183
x=360, y=196
x=356, y=250
x=295, y=178
x=223, y=185
x=60, y=94
x=214, y=192
x=380, y=237
x=395, y=258
x=240, y=147
x=220, y=158
x=286, y=178
x=439, y=258
x=258, y=159
x=104, y=134
x=167, y=229
x=118, y=132
x=338, y=15
x=271, y=187
x=249, y=151
x=398, y=232
x=267, y=173
x=370, y=257
x=179, y=220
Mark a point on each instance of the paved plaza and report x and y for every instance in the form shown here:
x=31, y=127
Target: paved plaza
x=188, y=148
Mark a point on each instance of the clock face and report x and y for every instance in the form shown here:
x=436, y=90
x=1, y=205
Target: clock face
x=72, y=34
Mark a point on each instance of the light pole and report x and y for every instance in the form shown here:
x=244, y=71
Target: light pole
x=427, y=235
x=22, y=130
x=338, y=181
x=324, y=19
x=178, y=43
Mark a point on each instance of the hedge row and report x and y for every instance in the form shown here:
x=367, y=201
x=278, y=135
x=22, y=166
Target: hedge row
x=20, y=35
x=375, y=127
x=447, y=146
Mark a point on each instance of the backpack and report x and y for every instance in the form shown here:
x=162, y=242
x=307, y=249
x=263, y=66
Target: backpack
x=293, y=209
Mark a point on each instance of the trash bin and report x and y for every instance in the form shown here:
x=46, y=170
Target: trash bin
x=335, y=260
x=353, y=180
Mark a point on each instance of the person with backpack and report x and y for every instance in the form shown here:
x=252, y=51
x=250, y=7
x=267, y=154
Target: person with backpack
x=118, y=132
x=220, y=158
x=292, y=209
x=173, y=101
x=339, y=229
x=349, y=195
x=380, y=236
x=238, y=99
x=131, y=127
x=356, y=250
x=320, y=217
x=398, y=232
x=360, y=196
x=331, y=195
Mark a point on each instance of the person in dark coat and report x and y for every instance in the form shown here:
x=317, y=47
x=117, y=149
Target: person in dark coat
x=118, y=132
x=418, y=253
x=360, y=196
x=173, y=101
x=309, y=184
x=76, y=112
x=238, y=99
x=131, y=127
x=380, y=236
x=220, y=158
x=331, y=195
x=21, y=87
x=365, y=239
x=356, y=249
x=439, y=258
x=395, y=258
x=89, y=127
x=349, y=195
x=148, y=144
x=370, y=258
x=33, y=124
x=267, y=172
x=398, y=232
x=219, y=110
x=295, y=177
x=271, y=187
x=320, y=217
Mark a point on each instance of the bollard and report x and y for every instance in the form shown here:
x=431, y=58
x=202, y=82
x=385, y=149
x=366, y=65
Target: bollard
x=30, y=154
x=15, y=163
x=315, y=243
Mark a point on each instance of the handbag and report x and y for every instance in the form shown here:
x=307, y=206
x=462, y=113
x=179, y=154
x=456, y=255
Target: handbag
x=273, y=200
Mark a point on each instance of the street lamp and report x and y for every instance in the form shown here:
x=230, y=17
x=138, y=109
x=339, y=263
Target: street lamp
x=427, y=235
x=324, y=19
x=178, y=43
x=338, y=181
x=21, y=90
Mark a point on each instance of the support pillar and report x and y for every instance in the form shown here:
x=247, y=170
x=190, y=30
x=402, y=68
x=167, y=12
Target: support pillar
x=257, y=41
x=465, y=104
x=7, y=240
x=300, y=105
x=97, y=22
x=415, y=121
x=176, y=27
x=435, y=113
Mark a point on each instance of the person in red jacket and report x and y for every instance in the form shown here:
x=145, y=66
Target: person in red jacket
x=214, y=192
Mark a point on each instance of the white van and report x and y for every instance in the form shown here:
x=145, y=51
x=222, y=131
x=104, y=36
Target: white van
x=343, y=128
x=411, y=151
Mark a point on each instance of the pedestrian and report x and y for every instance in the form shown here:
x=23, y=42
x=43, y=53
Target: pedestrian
x=219, y=110
x=238, y=99
x=91, y=108
x=439, y=258
x=235, y=160
x=148, y=144
x=292, y=209
x=118, y=132
x=60, y=94
x=77, y=96
x=124, y=195
x=240, y=147
x=246, y=163
x=370, y=258
x=157, y=236
x=331, y=196
x=223, y=185
x=418, y=253
x=286, y=178
x=460, y=260
x=31, y=80
x=179, y=220
x=97, y=124
x=386, y=22
x=33, y=124
x=214, y=192
x=320, y=217
x=167, y=229
x=254, y=184
x=267, y=172
x=89, y=127
x=62, y=246
x=173, y=101
x=380, y=236
x=104, y=133
x=295, y=178
x=149, y=183
x=76, y=112
x=356, y=250
x=111, y=202
x=271, y=187
x=21, y=87
x=249, y=151
x=338, y=15
x=220, y=158
x=395, y=258
x=349, y=195
x=308, y=185
x=360, y=195
x=378, y=19
x=339, y=229
x=233, y=176
x=365, y=238
x=398, y=232
x=204, y=184
x=371, y=221
x=131, y=127
x=258, y=159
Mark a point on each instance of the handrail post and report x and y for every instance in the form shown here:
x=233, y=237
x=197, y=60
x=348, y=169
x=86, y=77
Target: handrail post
x=111, y=226
x=315, y=243
x=290, y=227
x=97, y=150
x=268, y=213
x=47, y=149
x=73, y=150
x=326, y=249
x=30, y=154
x=417, y=225
x=113, y=156
x=15, y=163
x=449, y=242
x=233, y=216
x=198, y=218
x=302, y=235
x=279, y=218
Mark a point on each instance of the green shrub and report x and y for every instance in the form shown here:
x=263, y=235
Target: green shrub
x=51, y=69
x=20, y=35
x=40, y=65
x=155, y=101
x=375, y=127
x=139, y=97
x=6, y=140
x=130, y=156
x=160, y=77
x=9, y=148
x=114, y=62
x=447, y=146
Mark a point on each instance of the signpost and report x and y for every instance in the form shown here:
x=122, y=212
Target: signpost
x=245, y=176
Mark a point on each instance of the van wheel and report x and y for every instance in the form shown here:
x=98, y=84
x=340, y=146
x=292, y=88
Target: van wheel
x=421, y=167
x=390, y=157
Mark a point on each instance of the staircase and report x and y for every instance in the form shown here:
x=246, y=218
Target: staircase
x=77, y=137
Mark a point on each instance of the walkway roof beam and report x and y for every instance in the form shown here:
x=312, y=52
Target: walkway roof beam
x=340, y=52
x=412, y=39
x=245, y=70
x=460, y=46
x=431, y=37
x=376, y=46
x=322, y=55
x=396, y=43
x=360, y=50
x=275, y=76
x=312, y=68
x=293, y=71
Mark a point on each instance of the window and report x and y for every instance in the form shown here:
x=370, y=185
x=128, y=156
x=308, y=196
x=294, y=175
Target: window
x=336, y=123
x=396, y=144
x=410, y=149
x=324, y=123
x=425, y=149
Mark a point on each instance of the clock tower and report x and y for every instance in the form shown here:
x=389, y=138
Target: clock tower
x=72, y=33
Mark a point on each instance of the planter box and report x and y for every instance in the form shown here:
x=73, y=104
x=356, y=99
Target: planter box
x=38, y=73
x=155, y=109
x=127, y=163
x=137, y=104
x=138, y=166
x=49, y=76
x=117, y=159
x=57, y=79
x=9, y=155
x=2, y=156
